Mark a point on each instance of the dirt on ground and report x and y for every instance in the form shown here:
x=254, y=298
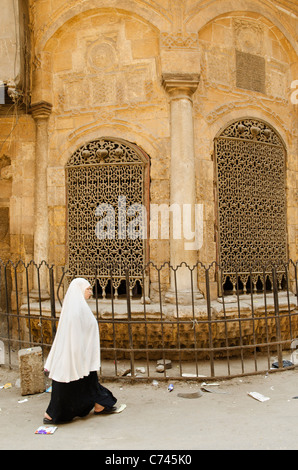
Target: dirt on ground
x=190, y=417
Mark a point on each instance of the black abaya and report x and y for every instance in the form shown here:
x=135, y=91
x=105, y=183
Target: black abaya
x=77, y=398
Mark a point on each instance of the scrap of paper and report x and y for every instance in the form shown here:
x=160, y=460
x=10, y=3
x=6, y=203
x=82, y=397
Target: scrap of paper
x=46, y=430
x=258, y=396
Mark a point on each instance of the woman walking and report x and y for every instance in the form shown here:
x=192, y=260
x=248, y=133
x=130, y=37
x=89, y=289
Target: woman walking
x=74, y=360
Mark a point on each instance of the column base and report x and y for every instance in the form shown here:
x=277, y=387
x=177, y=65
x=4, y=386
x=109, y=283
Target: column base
x=184, y=297
x=42, y=295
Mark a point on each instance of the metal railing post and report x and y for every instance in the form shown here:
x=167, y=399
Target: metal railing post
x=277, y=319
x=132, y=365
x=211, y=354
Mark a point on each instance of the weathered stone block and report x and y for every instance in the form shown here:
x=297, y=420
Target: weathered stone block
x=31, y=371
x=2, y=351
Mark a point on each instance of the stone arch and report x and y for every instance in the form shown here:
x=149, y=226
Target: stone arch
x=198, y=18
x=159, y=19
x=114, y=129
x=86, y=50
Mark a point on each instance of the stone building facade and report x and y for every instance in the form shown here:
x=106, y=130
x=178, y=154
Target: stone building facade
x=191, y=103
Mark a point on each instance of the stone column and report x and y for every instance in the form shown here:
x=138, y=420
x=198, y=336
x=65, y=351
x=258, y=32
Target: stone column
x=180, y=88
x=41, y=112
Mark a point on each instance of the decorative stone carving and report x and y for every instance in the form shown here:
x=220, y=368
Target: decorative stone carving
x=250, y=72
x=249, y=36
x=277, y=80
x=102, y=56
x=179, y=40
x=218, y=66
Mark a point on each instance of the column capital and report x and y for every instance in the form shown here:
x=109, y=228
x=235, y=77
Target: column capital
x=180, y=85
x=41, y=110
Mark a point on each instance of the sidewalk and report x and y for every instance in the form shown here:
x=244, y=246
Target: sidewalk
x=156, y=419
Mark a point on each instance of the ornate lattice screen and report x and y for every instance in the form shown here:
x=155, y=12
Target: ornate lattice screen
x=105, y=178
x=250, y=160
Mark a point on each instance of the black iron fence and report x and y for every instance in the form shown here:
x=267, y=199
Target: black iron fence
x=160, y=331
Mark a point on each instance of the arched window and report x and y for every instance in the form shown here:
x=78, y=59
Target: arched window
x=250, y=163
x=106, y=185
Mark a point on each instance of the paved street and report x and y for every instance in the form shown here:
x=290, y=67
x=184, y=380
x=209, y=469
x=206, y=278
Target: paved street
x=157, y=419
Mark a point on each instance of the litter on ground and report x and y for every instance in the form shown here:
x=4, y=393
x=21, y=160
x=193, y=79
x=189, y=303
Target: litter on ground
x=258, y=396
x=211, y=388
x=46, y=430
x=23, y=401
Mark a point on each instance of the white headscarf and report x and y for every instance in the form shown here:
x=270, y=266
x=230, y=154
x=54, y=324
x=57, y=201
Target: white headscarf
x=76, y=348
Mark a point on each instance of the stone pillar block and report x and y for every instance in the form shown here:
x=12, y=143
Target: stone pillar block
x=2, y=351
x=31, y=371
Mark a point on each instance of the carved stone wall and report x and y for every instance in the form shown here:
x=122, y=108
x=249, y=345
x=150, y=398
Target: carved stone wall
x=250, y=42
x=245, y=72
x=100, y=65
